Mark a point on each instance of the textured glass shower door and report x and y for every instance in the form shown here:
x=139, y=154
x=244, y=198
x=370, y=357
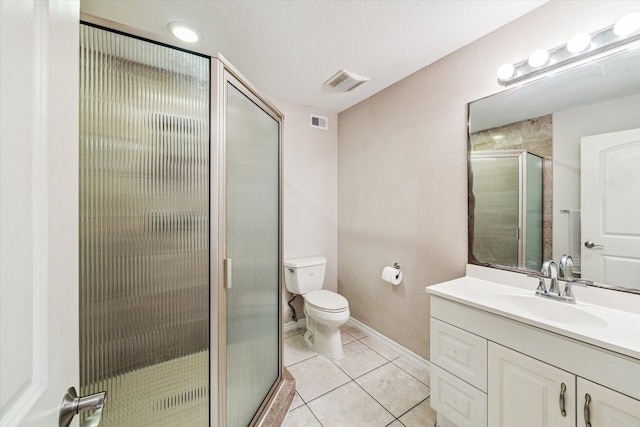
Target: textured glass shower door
x=508, y=189
x=144, y=230
x=253, y=245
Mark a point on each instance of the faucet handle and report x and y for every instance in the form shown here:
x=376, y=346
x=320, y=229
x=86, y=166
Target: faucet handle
x=567, y=287
x=542, y=287
x=580, y=282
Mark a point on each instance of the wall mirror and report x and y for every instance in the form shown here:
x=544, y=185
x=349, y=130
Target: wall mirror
x=554, y=169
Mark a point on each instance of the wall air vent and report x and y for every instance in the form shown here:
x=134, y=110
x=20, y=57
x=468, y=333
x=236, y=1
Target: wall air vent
x=319, y=122
x=345, y=81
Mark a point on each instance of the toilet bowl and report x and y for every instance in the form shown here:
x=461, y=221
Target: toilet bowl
x=325, y=311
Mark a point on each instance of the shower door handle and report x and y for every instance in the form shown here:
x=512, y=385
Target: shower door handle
x=227, y=273
x=72, y=405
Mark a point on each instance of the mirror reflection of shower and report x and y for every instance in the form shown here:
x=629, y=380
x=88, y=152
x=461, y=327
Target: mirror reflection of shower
x=508, y=214
x=554, y=114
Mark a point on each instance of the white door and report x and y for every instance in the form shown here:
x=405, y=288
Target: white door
x=610, y=177
x=524, y=392
x=38, y=209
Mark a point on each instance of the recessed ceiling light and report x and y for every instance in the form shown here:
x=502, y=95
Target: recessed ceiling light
x=184, y=32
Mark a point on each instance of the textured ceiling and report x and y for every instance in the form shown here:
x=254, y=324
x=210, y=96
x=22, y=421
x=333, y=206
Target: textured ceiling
x=288, y=49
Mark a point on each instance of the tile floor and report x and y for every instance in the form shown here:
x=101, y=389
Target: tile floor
x=372, y=386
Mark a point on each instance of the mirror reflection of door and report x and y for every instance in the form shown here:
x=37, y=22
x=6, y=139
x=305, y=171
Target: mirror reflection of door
x=610, y=231
x=595, y=98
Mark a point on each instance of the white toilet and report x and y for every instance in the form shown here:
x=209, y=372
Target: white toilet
x=325, y=311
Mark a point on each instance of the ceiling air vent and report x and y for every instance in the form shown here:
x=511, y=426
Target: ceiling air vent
x=319, y=122
x=345, y=81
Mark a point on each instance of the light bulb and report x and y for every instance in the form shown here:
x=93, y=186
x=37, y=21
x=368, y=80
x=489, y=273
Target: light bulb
x=627, y=25
x=579, y=43
x=184, y=32
x=538, y=58
x=506, y=71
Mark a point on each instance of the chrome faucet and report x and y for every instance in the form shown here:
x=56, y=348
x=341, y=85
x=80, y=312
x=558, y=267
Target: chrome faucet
x=550, y=270
x=566, y=275
x=567, y=295
x=566, y=267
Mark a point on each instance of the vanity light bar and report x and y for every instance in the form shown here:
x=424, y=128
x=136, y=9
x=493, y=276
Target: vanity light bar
x=580, y=48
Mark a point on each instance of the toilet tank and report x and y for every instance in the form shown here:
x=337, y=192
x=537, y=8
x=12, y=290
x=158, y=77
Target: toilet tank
x=303, y=275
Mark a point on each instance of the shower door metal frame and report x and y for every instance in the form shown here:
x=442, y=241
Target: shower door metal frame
x=221, y=72
x=520, y=156
x=228, y=74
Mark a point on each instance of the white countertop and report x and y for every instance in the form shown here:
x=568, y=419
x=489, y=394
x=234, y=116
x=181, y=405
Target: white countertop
x=614, y=329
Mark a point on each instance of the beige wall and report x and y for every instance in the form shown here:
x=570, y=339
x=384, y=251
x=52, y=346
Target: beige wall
x=402, y=170
x=310, y=191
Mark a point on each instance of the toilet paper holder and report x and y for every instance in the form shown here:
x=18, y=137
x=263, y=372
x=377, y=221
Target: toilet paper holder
x=393, y=274
x=396, y=266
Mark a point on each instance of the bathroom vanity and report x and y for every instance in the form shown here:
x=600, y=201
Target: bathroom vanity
x=502, y=356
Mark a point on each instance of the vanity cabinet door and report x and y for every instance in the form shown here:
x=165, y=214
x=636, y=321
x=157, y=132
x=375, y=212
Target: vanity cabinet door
x=605, y=407
x=525, y=392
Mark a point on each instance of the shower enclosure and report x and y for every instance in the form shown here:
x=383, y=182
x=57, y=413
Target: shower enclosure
x=179, y=236
x=508, y=213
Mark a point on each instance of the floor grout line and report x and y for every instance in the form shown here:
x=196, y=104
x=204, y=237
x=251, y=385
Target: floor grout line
x=388, y=360
x=379, y=403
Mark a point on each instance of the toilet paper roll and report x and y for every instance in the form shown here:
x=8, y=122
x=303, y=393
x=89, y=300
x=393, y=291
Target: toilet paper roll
x=392, y=275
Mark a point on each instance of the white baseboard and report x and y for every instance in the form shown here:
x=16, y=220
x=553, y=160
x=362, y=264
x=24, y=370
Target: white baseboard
x=412, y=357
x=409, y=355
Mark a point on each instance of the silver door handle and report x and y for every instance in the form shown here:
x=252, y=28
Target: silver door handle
x=228, y=278
x=72, y=405
x=590, y=245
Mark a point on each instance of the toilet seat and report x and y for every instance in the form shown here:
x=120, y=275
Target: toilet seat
x=327, y=301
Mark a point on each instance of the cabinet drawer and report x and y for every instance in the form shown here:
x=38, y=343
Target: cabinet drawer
x=459, y=352
x=456, y=400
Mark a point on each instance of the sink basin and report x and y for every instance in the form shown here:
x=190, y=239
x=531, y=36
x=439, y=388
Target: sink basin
x=555, y=311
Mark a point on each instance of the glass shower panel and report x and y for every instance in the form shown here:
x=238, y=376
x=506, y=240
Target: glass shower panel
x=496, y=188
x=534, y=213
x=144, y=230
x=252, y=243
